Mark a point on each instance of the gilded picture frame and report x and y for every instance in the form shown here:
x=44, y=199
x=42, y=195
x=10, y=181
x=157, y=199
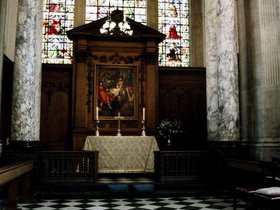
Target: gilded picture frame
x=116, y=92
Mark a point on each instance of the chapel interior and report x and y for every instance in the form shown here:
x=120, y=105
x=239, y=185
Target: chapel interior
x=192, y=109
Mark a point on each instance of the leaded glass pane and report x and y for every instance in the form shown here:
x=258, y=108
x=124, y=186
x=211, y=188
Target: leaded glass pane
x=58, y=18
x=134, y=9
x=174, y=22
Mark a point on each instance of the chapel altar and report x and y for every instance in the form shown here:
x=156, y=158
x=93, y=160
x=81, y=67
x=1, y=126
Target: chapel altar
x=115, y=68
x=123, y=154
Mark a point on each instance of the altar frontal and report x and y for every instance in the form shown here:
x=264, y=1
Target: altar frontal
x=123, y=154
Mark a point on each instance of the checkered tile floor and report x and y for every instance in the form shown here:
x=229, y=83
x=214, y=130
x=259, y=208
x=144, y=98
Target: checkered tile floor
x=123, y=179
x=164, y=203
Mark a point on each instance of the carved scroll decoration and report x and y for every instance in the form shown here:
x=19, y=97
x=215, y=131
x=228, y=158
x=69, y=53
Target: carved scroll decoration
x=116, y=58
x=90, y=67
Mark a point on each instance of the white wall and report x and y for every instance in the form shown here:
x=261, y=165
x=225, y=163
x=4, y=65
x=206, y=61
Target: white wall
x=10, y=29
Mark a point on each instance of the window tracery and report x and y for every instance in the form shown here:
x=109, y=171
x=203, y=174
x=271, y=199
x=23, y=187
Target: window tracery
x=58, y=17
x=173, y=20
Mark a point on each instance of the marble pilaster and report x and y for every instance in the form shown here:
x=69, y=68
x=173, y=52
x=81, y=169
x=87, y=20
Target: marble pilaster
x=27, y=73
x=260, y=73
x=221, y=71
x=266, y=70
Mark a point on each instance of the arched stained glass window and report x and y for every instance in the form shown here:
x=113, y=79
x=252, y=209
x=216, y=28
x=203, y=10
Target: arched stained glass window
x=134, y=9
x=173, y=18
x=174, y=22
x=58, y=18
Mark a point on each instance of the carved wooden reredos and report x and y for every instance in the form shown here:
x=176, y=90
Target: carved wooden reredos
x=104, y=55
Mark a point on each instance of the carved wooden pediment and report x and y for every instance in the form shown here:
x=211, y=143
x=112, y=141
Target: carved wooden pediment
x=91, y=31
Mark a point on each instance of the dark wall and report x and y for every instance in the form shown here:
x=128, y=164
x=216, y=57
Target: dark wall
x=6, y=100
x=182, y=96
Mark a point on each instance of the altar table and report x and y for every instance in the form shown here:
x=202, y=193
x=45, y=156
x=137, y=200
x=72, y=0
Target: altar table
x=123, y=154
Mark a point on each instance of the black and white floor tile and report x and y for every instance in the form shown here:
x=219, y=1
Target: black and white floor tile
x=123, y=179
x=163, y=203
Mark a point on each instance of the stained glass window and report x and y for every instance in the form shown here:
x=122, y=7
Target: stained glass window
x=58, y=18
x=173, y=18
x=174, y=22
x=134, y=9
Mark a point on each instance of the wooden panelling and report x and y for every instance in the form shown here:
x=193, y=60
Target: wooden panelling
x=182, y=96
x=56, y=107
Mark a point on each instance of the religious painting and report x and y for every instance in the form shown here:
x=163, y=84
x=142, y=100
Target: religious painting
x=116, y=92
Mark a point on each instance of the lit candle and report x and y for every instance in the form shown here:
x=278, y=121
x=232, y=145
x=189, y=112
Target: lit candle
x=119, y=114
x=143, y=113
x=97, y=118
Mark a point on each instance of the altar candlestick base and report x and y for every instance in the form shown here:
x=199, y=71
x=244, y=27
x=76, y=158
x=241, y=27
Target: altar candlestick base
x=119, y=124
x=97, y=128
x=143, y=128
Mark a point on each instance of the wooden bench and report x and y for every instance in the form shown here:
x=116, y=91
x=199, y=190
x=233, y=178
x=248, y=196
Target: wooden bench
x=257, y=178
x=16, y=177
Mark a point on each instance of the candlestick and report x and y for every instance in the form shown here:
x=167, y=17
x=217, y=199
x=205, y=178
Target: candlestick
x=143, y=128
x=97, y=128
x=119, y=124
x=97, y=117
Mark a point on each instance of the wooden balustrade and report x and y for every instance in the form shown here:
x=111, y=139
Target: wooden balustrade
x=180, y=166
x=68, y=166
x=67, y=172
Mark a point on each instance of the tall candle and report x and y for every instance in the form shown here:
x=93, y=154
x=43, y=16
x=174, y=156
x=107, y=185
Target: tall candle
x=143, y=113
x=97, y=117
x=119, y=114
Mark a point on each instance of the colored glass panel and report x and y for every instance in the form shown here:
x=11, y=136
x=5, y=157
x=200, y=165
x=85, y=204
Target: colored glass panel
x=134, y=9
x=173, y=17
x=174, y=22
x=58, y=17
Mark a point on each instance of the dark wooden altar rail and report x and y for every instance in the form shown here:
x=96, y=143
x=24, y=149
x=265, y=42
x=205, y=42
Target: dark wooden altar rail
x=16, y=177
x=180, y=166
x=68, y=166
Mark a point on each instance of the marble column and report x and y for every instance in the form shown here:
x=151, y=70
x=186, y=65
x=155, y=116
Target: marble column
x=221, y=71
x=27, y=73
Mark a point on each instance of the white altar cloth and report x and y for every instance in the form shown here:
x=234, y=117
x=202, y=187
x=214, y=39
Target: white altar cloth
x=123, y=154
